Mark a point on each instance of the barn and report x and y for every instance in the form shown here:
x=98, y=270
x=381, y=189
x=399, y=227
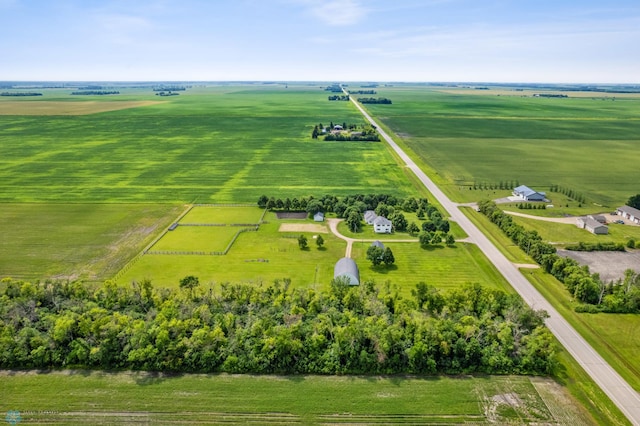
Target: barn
x=347, y=268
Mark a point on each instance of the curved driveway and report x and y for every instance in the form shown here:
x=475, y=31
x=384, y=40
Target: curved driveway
x=623, y=395
x=333, y=225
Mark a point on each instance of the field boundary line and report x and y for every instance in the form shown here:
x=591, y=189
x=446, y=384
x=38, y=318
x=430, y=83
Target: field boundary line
x=137, y=257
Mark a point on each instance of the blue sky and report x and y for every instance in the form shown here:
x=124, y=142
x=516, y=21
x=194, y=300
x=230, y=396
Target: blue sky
x=581, y=41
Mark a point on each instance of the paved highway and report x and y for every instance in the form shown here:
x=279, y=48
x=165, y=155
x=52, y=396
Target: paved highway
x=623, y=395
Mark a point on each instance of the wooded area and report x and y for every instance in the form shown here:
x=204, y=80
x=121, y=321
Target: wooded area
x=244, y=328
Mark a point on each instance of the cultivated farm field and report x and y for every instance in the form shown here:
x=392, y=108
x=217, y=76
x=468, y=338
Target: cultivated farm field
x=487, y=136
x=96, y=398
x=217, y=144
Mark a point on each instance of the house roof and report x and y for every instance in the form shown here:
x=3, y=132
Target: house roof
x=526, y=191
x=370, y=214
x=347, y=268
x=381, y=221
x=318, y=215
x=377, y=243
x=592, y=223
x=630, y=210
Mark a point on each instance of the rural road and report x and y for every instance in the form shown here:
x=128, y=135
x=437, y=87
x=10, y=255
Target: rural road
x=620, y=392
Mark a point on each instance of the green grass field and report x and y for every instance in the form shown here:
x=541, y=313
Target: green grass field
x=76, y=241
x=563, y=233
x=484, y=136
x=85, y=397
x=270, y=254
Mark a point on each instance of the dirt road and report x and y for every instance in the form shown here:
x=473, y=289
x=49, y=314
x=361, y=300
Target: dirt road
x=623, y=395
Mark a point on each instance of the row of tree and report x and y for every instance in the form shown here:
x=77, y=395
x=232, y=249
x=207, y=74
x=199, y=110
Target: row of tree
x=362, y=92
x=96, y=92
x=338, y=98
x=242, y=328
x=503, y=184
x=19, y=94
x=570, y=193
x=352, y=208
x=584, y=286
x=374, y=101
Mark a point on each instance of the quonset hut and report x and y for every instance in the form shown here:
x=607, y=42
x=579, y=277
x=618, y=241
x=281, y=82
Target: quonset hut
x=346, y=268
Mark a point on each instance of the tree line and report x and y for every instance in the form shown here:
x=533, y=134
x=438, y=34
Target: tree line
x=272, y=329
x=362, y=92
x=96, y=92
x=338, y=97
x=352, y=208
x=597, y=296
x=20, y=94
x=374, y=101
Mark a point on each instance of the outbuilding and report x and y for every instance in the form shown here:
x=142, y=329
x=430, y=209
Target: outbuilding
x=592, y=225
x=630, y=213
x=347, y=269
x=377, y=243
x=318, y=217
x=528, y=194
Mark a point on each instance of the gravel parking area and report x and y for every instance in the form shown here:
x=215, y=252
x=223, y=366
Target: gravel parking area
x=609, y=264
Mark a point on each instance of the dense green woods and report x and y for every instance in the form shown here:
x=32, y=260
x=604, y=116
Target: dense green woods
x=242, y=328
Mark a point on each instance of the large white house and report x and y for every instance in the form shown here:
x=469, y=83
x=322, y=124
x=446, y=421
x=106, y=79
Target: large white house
x=382, y=225
x=528, y=194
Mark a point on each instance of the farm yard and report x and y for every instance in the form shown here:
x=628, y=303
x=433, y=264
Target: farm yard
x=264, y=255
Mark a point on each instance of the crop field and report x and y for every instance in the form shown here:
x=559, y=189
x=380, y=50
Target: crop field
x=76, y=241
x=586, y=144
x=86, y=397
x=217, y=144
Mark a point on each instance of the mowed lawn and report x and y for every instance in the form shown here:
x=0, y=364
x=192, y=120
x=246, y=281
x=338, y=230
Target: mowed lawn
x=445, y=267
x=88, y=397
x=76, y=241
x=215, y=144
x=583, y=143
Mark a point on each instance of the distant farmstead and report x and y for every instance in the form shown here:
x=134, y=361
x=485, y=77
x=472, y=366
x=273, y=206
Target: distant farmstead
x=347, y=269
x=629, y=213
x=528, y=194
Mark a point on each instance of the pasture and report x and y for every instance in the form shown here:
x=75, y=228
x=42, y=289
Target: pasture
x=88, y=397
x=586, y=144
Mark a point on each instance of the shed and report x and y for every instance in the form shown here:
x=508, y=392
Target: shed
x=592, y=225
x=318, y=217
x=347, y=268
x=382, y=225
x=630, y=213
x=598, y=217
x=377, y=243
